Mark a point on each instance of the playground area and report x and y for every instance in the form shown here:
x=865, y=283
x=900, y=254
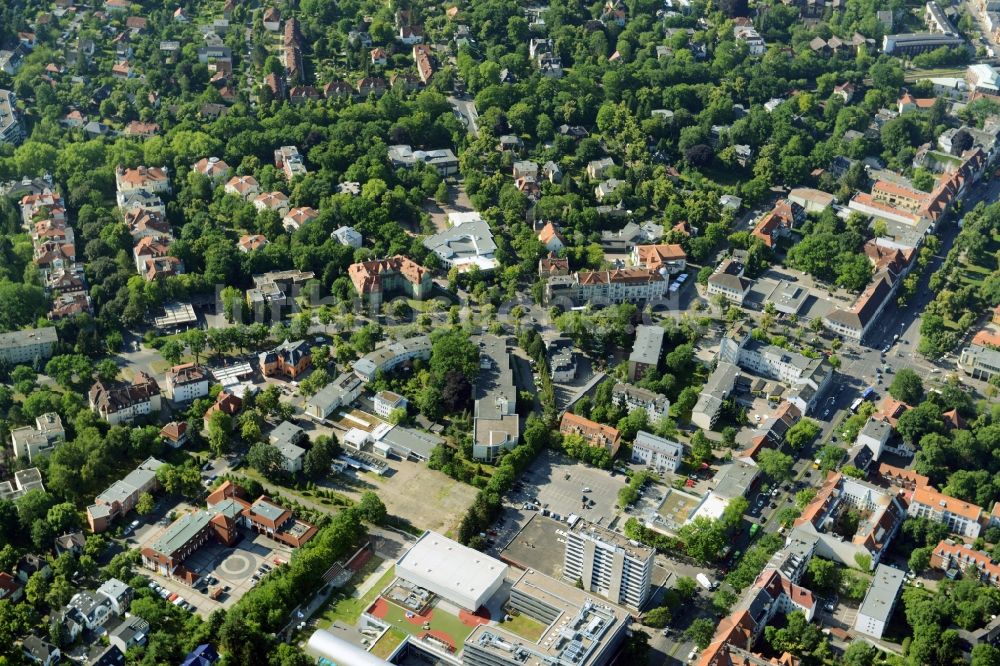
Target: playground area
x=435, y=624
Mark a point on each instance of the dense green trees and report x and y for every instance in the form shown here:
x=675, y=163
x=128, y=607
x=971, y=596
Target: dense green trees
x=802, y=434
x=701, y=631
x=657, y=617
x=907, y=387
x=799, y=637
x=775, y=464
x=957, y=301
x=267, y=460
x=830, y=251
x=705, y=538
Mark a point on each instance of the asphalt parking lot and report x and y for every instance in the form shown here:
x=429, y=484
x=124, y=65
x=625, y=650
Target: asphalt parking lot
x=153, y=523
x=843, y=615
x=560, y=482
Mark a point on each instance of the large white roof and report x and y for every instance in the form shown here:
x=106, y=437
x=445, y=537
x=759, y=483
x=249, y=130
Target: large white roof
x=453, y=571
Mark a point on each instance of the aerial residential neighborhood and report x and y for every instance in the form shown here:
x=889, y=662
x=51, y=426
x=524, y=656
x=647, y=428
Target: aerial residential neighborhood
x=500, y=333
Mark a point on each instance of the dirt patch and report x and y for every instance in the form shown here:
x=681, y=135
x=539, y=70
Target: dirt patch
x=425, y=498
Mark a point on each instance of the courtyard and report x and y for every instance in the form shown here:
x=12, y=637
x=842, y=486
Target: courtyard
x=233, y=567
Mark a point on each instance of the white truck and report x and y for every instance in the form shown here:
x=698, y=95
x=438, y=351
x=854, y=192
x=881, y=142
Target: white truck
x=705, y=582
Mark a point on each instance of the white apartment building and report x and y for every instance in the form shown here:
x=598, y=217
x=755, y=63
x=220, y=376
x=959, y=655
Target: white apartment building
x=186, y=382
x=875, y=435
x=808, y=377
x=348, y=236
x=392, y=355
x=387, y=401
x=608, y=564
x=764, y=359
x=960, y=517
x=11, y=130
x=749, y=35
x=42, y=439
x=28, y=345
x=630, y=397
x=663, y=454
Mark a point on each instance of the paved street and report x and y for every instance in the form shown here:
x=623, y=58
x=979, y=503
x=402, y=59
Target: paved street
x=466, y=109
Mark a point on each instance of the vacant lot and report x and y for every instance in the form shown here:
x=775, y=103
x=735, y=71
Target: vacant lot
x=423, y=497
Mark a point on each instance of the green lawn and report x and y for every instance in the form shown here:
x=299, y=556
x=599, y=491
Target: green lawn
x=389, y=641
x=395, y=617
x=526, y=627
x=346, y=608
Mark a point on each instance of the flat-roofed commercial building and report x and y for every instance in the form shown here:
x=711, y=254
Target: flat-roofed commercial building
x=341, y=392
x=442, y=160
x=980, y=362
x=580, y=629
x=450, y=570
x=386, y=402
x=918, y=42
x=608, y=564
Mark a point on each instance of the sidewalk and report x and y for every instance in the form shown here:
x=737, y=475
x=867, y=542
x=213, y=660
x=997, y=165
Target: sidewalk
x=362, y=589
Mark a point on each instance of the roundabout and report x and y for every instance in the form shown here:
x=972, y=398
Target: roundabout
x=238, y=565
